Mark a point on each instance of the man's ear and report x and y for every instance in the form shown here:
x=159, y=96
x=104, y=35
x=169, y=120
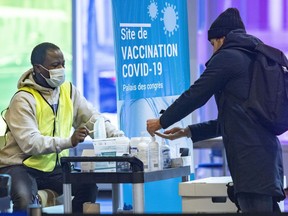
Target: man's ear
x=36, y=68
x=222, y=39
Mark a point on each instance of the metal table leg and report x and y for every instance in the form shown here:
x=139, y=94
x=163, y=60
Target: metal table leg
x=67, y=194
x=138, y=198
x=116, y=197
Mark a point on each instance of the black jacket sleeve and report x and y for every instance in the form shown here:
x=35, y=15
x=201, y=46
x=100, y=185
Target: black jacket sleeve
x=204, y=130
x=221, y=69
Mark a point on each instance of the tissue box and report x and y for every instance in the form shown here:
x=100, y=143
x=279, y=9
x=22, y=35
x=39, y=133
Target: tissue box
x=91, y=208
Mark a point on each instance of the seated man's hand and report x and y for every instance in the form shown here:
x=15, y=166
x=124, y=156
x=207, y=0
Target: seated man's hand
x=117, y=133
x=79, y=135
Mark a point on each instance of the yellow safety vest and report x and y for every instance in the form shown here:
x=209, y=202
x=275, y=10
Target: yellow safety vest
x=58, y=125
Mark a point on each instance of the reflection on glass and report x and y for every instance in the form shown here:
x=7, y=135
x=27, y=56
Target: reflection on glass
x=24, y=24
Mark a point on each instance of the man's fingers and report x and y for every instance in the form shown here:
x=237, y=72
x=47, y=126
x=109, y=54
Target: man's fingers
x=160, y=134
x=165, y=136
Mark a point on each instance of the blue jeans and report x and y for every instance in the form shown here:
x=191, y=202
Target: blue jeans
x=251, y=202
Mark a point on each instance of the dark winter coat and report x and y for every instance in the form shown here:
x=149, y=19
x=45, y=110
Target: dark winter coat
x=254, y=155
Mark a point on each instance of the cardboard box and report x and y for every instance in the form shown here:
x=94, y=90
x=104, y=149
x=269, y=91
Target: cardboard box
x=208, y=195
x=88, y=166
x=91, y=208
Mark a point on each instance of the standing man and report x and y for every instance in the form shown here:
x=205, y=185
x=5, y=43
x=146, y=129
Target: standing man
x=254, y=154
x=40, y=119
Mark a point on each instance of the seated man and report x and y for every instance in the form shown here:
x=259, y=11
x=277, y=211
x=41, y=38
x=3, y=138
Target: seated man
x=40, y=118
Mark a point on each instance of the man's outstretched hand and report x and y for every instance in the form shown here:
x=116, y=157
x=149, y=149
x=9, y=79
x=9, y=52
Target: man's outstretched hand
x=173, y=133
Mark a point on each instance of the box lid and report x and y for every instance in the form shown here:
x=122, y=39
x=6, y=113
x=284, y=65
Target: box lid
x=212, y=186
x=115, y=146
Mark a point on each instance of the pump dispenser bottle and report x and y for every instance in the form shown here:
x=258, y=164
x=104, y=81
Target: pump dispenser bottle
x=154, y=150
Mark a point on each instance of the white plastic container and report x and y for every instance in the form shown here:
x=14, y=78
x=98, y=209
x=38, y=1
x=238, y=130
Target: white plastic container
x=143, y=153
x=165, y=155
x=154, y=152
x=99, y=128
x=133, y=146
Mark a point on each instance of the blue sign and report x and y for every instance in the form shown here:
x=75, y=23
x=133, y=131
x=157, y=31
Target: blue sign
x=151, y=47
x=152, y=70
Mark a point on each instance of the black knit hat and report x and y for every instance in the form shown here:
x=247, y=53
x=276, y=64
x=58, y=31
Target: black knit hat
x=227, y=21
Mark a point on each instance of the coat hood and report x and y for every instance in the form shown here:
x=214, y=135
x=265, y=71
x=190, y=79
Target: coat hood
x=27, y=80
x=239, y=38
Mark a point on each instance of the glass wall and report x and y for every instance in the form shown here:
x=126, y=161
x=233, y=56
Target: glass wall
x=95, y=53
x=23, y=25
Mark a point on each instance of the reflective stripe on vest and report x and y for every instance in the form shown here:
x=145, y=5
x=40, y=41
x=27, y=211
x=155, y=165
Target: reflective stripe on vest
x=51, y=125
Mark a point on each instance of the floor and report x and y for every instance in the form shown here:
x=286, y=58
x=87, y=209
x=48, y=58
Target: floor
x=106, y=203
x=104, y=198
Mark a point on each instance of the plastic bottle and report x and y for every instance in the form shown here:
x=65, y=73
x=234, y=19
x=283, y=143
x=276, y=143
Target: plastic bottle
x=133, y=146
x=165, y=155
x=99, y=128
x=143, y=153
x=154, y=151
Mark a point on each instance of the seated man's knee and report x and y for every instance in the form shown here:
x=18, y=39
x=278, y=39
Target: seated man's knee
x=22, y=200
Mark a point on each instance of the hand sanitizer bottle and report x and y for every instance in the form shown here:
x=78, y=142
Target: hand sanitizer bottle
x=133, y=146
x=154, y=150
x=165, y=155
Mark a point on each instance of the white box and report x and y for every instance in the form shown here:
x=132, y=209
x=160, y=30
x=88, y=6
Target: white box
x=284, y=145
x=208, y=195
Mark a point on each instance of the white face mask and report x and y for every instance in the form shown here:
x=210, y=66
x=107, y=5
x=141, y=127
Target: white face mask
x=57, y=76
